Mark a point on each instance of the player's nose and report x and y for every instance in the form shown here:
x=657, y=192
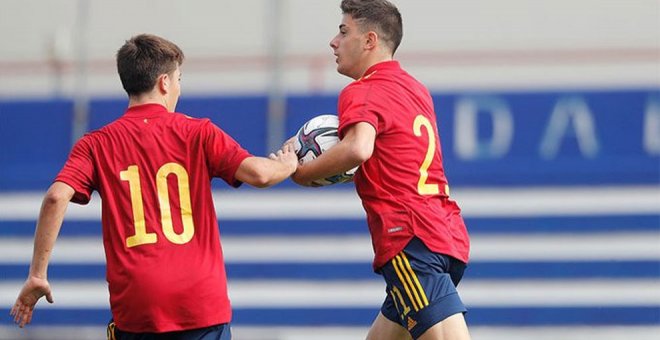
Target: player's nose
x=333, y=43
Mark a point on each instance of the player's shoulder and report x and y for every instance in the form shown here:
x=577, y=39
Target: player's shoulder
x=194, y=126
x=190, y=119
x=356, y=89
x=92, y=139
x=98, y=133
x=373, y=79
x=372, y=87
x=190, y=122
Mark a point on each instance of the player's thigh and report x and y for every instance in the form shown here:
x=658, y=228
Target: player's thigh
x=451, y=328
x=385, y=329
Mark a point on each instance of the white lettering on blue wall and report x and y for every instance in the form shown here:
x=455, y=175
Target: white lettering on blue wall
x=467, y=143
x=652, y=126
x=570, y=117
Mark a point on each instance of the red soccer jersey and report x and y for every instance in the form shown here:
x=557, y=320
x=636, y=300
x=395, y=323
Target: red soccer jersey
x=153, y=171
x=402, y=186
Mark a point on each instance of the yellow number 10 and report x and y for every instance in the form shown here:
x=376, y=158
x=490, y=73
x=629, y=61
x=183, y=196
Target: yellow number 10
x=141, y=236
x=422, y=187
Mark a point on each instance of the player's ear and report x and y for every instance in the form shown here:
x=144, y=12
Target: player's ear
x=372, y=40
x=163, y=83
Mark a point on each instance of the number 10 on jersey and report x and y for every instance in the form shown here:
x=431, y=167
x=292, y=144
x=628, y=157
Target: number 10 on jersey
x=141, y=236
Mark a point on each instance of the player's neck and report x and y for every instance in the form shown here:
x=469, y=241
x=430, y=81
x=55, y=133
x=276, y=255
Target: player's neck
x=147, y=98
x=375, y=59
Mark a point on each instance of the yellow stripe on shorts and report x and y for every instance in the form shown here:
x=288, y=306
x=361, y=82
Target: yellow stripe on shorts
x=420, y=289
x=111, y=331
x=400, y=273
x=406, y=273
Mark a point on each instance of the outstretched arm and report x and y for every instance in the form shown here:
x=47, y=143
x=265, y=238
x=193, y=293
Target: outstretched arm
x=354, y=149
x=263, y=172
x=48, y=227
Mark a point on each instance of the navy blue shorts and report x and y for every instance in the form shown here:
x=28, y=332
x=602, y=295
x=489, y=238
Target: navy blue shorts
x=421, y=288
x=217, y=332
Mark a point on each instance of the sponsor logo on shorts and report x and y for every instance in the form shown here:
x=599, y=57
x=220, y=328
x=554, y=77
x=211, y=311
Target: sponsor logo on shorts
x=411, y=323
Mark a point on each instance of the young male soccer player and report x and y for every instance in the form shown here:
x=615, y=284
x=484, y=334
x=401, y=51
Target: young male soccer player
x=153, y=168
x=387, y=125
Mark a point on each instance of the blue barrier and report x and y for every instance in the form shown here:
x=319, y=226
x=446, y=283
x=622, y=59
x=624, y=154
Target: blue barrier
x=551, y=138
x=35, y=138
x=494, y=139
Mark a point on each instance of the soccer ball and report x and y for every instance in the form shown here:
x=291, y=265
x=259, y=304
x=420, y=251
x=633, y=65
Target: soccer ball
x=315, y=137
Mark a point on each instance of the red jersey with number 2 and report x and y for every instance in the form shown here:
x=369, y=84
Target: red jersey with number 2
x=153, y=171
x=402, y=186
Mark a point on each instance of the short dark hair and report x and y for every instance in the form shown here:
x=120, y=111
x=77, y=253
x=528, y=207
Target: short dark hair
x=143, y=59
x=380, y=16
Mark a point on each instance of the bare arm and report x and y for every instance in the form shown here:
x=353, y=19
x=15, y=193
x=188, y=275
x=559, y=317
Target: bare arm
x=263, y=172
x=48, y=227
x=354, y=149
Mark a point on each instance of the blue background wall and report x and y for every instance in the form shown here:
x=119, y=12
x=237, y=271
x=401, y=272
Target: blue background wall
x=598, y=137
x=525, y=140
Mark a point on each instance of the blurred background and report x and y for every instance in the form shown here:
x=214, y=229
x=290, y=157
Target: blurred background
x=549, y=116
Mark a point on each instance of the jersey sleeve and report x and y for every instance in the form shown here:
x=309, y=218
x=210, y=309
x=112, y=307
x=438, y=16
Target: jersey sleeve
x=224, y=155
x=79, y=172
x=354, y=107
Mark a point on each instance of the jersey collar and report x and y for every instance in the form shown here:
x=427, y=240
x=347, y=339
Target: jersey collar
x=145, y=110
x=382, y=66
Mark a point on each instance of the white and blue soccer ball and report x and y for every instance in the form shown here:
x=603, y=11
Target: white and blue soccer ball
x=315, y=137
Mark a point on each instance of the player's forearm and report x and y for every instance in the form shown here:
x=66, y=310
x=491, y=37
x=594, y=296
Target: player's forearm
x=340, y=158
x=48, y=227
x=263, y=172
x=276, y=172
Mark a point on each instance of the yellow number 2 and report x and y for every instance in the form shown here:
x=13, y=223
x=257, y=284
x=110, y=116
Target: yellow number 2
x=141, y=236
x=422, y=187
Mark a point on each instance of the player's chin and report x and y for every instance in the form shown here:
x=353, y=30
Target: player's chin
x=342, y=70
